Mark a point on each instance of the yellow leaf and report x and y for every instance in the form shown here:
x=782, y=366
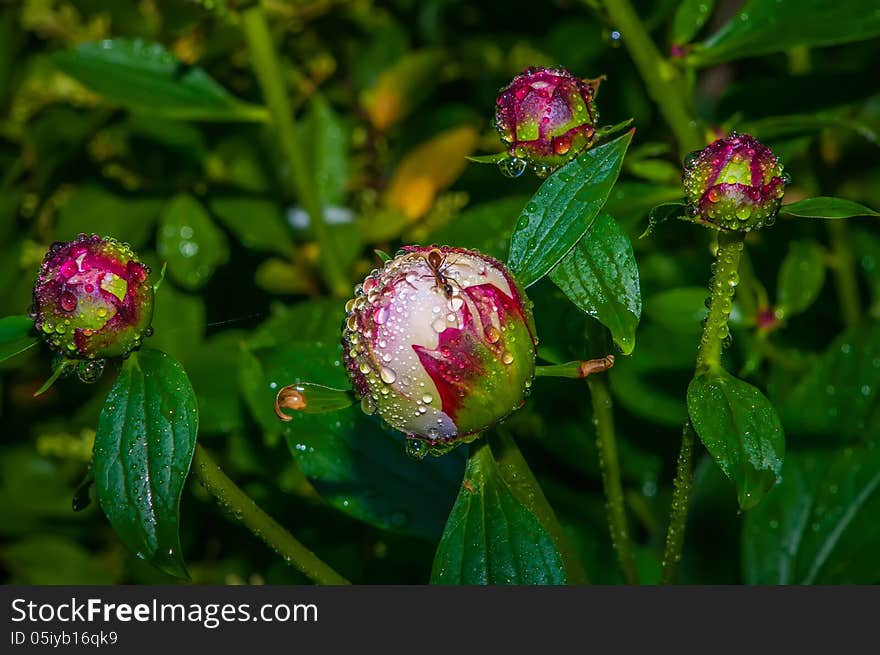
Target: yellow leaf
x=428, y=169
x=399, y=88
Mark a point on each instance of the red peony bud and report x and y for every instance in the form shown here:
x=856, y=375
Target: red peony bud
x=92, y=298
x=441, y=343
x=736, y=183
x=546, y=117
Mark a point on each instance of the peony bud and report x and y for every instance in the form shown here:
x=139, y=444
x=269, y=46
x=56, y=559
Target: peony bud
x=736, y=183
x=441, y=343
x=92, y=299
x=546, y=117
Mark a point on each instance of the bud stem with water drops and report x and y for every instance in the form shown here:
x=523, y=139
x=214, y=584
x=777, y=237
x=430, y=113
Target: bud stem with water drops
x=233, y=499
x=715, y=337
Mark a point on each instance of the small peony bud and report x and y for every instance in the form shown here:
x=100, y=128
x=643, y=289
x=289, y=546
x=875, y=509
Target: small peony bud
x=92, y=298
x=441, y=343
x=736, y=183
x=546, y=117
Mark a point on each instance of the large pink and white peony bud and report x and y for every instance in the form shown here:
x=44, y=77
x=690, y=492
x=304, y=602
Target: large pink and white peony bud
x=440, y=343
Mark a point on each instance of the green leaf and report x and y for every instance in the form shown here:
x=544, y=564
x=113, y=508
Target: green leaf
x=357, y=465
x=190, y=242
x=800, y=278
x=741, y=431
x=311, y=398
x=146, y=77
x=491, y=537
x=210, y=366
x=765, y=26
x=820, y=524
x=178, y=322
x=839, y=396
x=51, y=560
x=143, y=449
x=600, y=276
x=563, y=209
x=690, y=16
x=681, y=309
x=662, y=213
x=822, y=207
x=257, y=222
x=94, y=210
x=16, y=336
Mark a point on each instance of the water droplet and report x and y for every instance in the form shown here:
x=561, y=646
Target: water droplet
x=368, y=405
x=512, y=166
x=416, y=448
x=492, y=334
x=438, y=325
x=68, y=301
x=507, y=358
x=388, y=375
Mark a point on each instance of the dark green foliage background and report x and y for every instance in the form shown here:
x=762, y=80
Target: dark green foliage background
x=249, y=303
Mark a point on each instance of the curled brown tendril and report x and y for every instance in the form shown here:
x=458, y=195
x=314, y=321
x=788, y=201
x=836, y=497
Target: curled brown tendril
x=289, y=397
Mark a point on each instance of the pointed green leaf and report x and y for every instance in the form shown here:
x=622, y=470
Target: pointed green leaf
x=741, y=431
x=765, y=26
x=820, y=525
x=311, y=398
x=491, y=537
x=800, y=278
x=190, y=242
x=143, y=450
x=563, y=209
x=16, y=335
x=826, y=208
x=146, y=77
x=690, y=16
x=601, y=277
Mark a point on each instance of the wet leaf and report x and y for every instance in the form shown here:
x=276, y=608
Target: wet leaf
x=741, y=431
x=493, y=538
x=800, y=278
x=357, y=465
x=563, y=209
x=145, y=77
x=826, y=208
x=16, y=335
x=190, y=242
x=143, y=449
x=601, y=277
x=819, y=525
x=764, y=26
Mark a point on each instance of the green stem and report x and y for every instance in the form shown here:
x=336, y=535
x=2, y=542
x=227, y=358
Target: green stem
x=575, y=370
x=603, y=418
x=665, y=83
x=715, y=333
x=844, y=268
x=261, y=524
x=265, y=63
x=681, y=496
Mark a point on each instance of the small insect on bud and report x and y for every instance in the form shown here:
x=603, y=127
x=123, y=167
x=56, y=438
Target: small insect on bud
x=546, y=117
x=441, y=344
x=92, y=299
x=736, y=183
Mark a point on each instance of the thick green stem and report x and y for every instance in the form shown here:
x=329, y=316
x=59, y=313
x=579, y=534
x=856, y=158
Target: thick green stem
x=265, y=63
x=261, y=524
x=603, y=418
x=665, y=83
x=715, y=332
x=844, y=267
